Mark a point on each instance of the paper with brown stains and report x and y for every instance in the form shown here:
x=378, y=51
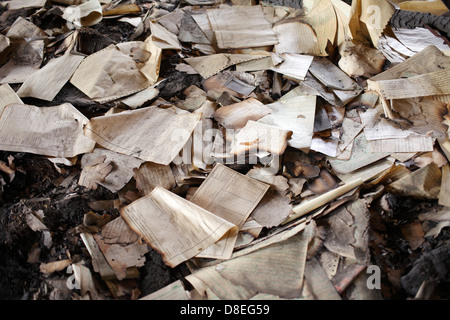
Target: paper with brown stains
x=150, y=174
x=118, y=70
x=257, y=136
x=236, y=115
x=86, y=14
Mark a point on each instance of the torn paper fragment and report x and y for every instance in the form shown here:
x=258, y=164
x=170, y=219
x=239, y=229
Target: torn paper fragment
x=94, y=172
x=121, y=257
x=275, y=206
x=294, y=66
x=47, y=82
x=359, y=60
x=431, y=59
x=138, y=99
x=257, y=136
x=236, y=115
x=173, y=226
x=317, y=279
x=121, y=167
x=190, y=31
x=24, y=29
x=348, y=234
x=444, y=200
x=210, y=284
x=295, y=114
x=98, y=260
x=322, y=18
x=21, y=130
x=163, y=38
x=296, y=37
x=20, y=4
x=150, y=134
x=418, y=39
x=117, y=231
x=232, y=196
x=374, y=15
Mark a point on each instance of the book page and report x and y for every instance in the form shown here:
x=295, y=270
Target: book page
x=151, y=133
x=176, y=228
x=231, y=196
x=255, y=271
x=377, y=127
x=241, y=27
x=52, y=131
x=409, y=144
x=7, y=96
x=428, y=84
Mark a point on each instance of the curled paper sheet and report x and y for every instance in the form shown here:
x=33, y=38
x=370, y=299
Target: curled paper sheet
x=84, y=15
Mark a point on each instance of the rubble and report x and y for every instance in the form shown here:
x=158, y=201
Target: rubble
x=233, y=150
